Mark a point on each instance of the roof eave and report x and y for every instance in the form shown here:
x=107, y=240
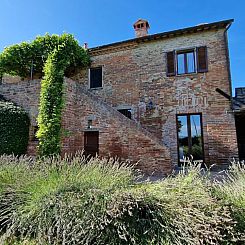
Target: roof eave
x=193, y=29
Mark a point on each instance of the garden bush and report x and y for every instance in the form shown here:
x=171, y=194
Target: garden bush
x=20, y=59
x=14, y=129
x=57, y=201
x=98, y=201
x=50, y=57
x=231, y=193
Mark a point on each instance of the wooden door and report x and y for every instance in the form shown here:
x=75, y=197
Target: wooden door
x=91, y=143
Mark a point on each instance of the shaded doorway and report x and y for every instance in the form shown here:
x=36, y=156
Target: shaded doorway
x=240, y=130
x=190, y=137
x=91, y=143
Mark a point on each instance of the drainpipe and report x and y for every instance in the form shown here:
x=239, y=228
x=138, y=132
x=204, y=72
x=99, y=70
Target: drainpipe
x=228, y=62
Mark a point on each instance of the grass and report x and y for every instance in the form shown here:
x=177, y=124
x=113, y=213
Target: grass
x=55, y=199
x=73, y=201
x=231, y=193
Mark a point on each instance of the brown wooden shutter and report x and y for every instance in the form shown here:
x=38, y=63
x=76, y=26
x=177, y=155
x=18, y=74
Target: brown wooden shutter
x=171, y=63
x=202, y=61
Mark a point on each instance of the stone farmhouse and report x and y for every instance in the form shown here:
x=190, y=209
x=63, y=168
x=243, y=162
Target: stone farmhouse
x=154, y=99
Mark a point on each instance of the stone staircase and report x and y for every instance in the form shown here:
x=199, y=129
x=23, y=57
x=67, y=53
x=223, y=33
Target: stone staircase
x=116, y=114
x=141, y=146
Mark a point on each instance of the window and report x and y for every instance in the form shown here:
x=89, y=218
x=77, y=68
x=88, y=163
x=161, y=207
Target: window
x=190, y=140
x=126, y=113
x=187, y=61
x=95, y=77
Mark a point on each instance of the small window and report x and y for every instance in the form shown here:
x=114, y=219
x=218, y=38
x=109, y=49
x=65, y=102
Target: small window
x=95, y=77
x=186, y=62
x=126, y=113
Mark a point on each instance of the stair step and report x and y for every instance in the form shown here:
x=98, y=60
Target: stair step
x=130, y=123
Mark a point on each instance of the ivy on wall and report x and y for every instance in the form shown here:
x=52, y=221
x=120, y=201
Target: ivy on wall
x=50, y=57
x=14, y=129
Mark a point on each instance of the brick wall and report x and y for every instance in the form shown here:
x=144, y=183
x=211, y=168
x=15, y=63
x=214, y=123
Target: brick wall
x=118, y=135
x=134, y=75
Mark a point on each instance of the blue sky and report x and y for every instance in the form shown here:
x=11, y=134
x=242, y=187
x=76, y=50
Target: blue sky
x=104, y=21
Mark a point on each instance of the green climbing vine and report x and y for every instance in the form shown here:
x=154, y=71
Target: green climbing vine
x=51, y=57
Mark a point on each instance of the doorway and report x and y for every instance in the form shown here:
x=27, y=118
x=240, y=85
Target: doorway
x=91, y=143
x=240, y=131
x=190, y=138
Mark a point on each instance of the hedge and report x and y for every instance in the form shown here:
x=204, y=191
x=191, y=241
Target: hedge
x=14, y=129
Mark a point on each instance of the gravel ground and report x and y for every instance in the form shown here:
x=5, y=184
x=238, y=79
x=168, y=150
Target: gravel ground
x=214, y=175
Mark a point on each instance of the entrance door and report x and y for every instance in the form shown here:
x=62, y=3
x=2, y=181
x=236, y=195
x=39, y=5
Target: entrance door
x=91, y=143
x=240, y=130
x=190, y=140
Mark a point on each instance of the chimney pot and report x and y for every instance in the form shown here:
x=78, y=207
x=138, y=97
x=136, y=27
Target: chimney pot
x=85, y=45
x=141, y=28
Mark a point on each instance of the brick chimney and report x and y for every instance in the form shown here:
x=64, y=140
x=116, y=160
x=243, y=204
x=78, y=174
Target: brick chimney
x=141, y=28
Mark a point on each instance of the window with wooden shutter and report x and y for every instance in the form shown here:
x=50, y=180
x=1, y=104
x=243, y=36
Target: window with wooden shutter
x=186, y=62
x=202, y=62
x=171, y=63
x=95, y=77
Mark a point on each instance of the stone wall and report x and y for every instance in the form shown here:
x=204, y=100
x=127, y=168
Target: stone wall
x=135, y=75
x=118, y=136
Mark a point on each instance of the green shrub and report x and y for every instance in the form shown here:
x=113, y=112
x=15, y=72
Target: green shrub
x=15, y=241
x=56, y=200
x=20, y=59
x=231, y=193
x=14, y=129
x=52, y=56
x=51, y=104
x=67, y=53
x=72, y=201
x=182, y=212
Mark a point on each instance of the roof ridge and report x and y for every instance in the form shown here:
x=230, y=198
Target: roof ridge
x=199, y=27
